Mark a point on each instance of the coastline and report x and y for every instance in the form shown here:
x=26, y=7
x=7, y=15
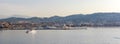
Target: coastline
x=71, y=28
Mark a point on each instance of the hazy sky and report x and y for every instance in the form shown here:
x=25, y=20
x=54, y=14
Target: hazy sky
x=47, y=8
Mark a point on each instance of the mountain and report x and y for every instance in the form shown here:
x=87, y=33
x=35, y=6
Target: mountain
x=95, y=18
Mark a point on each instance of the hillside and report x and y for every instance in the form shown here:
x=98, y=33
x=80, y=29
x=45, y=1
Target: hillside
x=76, y=18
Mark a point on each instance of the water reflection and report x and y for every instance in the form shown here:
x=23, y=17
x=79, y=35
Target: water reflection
x=1, y=30
x=116, y=37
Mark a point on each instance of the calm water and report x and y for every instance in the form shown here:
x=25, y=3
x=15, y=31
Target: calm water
x=78, y=36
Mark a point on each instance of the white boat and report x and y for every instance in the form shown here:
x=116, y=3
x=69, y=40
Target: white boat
x=31, y=31
x=28, y=31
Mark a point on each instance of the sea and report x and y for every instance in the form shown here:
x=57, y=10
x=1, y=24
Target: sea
x=76, y=35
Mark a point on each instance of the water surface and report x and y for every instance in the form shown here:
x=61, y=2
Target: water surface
x=78, y=36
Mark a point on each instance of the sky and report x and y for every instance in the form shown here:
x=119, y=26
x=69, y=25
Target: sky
x=47, y=8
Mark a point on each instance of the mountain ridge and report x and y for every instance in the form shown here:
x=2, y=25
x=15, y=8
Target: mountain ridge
x=75, y=18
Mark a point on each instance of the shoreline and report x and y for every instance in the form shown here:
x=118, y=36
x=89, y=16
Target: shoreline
x=76, y=28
